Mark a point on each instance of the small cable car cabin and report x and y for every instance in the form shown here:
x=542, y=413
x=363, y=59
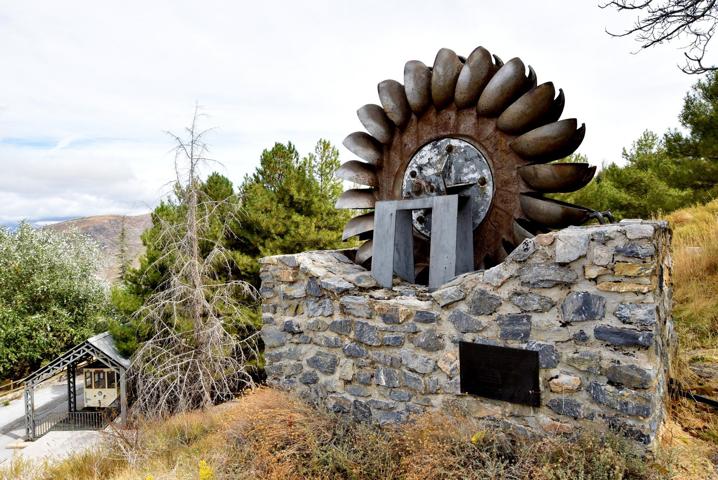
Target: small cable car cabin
x=101, y=385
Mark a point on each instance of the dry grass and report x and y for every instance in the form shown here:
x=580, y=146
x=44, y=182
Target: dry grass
x=269, y=434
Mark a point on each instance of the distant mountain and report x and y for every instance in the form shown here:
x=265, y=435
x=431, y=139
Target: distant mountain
x=105, y=230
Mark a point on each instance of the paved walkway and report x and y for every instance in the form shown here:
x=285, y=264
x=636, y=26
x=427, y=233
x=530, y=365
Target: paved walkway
x=51, y=396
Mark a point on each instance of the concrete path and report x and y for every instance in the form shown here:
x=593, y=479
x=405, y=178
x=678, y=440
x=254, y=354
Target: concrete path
x=49, y=397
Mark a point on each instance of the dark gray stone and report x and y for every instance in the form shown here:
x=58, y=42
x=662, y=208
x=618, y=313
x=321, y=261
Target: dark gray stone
x=403, y=328
x=268, y=319
x=361, y=411
x=356, y=306
x=412, y=381
x=532, y=302
x=316, y=325
x=448, y=295
x=636, y=250
x=580, y=337
x=385, y=359
x=628, y=430
x=428, y=340
x=291, y=353
x=623, y=337
x=416, y=362
x=357, y=390
x=302, y=339
x=387, y=377
x=330, y=341
x=363, y=280
x=524, y=250
x=393, y=340
x=569, y=407
x=293, y=291
x=292, y=326
x=465, y=323
x=586, y=361
x=389, y=418
x=288, y=260
x=583, y=307
x=320, y=308
x=293, y=368
x=390, y=316
x=365, y=377
x=354, y=350
x=425, y=316
x=266, y=291
x=400, y=395
x=366, y=334
x=631, y=376
x=342, y=327
x=309, y=378
x=273, y=337
x=432, y=385
x=313, y=288
x=339, y=404
x=643, y=314
x=549, y=357
x=380, y=404
x=324, y=362
x=482, y=302
x=621, y=399
x=546, y=276
x=514, y=326
x=335, y=284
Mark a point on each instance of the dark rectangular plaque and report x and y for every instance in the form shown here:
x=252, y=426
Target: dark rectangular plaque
x=501, y=373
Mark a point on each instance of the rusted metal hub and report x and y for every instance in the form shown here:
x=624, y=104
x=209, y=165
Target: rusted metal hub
x=446, y=166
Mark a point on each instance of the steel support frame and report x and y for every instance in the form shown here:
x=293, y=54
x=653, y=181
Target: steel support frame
x=69, y=360
x=451, y=251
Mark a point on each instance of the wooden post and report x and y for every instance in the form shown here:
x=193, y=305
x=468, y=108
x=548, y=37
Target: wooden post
x=123, y=397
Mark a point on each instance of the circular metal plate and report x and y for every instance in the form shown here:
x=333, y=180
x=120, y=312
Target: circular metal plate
x=444, y=167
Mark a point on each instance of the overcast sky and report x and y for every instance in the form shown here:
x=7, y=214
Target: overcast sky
x=88, y=88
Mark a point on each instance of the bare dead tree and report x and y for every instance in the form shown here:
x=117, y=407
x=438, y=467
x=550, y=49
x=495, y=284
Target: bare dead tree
x=192, y=361
x=661, y=21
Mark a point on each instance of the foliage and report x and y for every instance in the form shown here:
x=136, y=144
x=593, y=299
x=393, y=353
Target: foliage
x=288, y=206
x=272, y=434
x=50, y=297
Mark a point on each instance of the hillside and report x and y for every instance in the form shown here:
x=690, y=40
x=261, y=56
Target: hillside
x=106, y=230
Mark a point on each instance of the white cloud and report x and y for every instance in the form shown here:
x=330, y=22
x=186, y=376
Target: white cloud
x=88, y=88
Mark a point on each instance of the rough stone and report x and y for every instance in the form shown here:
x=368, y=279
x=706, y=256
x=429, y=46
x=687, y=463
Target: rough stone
x=416, y=362
x=342, y=327
x=428, y=340
x=643, y=314
x=546, y=275
x=339, y=404
x=273, y=337
x=523, y=251
x=335, y=284
x=580, y=337
x=633, y=269
x=425, y=316
x=320, y=308
x=382, y=405
x=623, y=337
x=385, y=359
x=638, y=230
x=387, y=377
x=400, y=395
x=366, y=334
x=365, y=377
x=412, y=381
x=346, y=369
x=482, y=302
x=361, y=411
x=357, y=390
x=362, y=280
x=532, y=302
x=448, y=295
x=583, y=307
x=514, y=326
x=330, y=341
x=549, y=357
x=594, y=271
x=621, y=399
x=354, y=350
x=569, y=407
x=316, y=325
x=498, y=275
x=356, y=306
x=571, y=245
x=396, y=340
x=636, y=250
x=268, y=319
x=564, y=384
x=449, y=364
x=292, y=326
x=586, y=361
x=631, y=376
x=309, y=378
x=293, y=291
x=291, y=353
x=313, y=289
x=324, y=362
x=600, y=255
x=623, y=287
x=465, y=323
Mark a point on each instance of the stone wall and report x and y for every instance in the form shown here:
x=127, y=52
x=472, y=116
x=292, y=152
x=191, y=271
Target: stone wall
x=594, y=302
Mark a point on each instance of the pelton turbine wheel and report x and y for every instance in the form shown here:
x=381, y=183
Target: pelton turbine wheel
x=473, y=125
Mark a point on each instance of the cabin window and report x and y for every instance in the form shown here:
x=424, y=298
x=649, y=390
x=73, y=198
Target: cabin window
x=88, y=379
x=99, y=379
x=111, y=379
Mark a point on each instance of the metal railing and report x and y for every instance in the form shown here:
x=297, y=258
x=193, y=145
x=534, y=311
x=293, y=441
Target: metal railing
x=71, y=421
